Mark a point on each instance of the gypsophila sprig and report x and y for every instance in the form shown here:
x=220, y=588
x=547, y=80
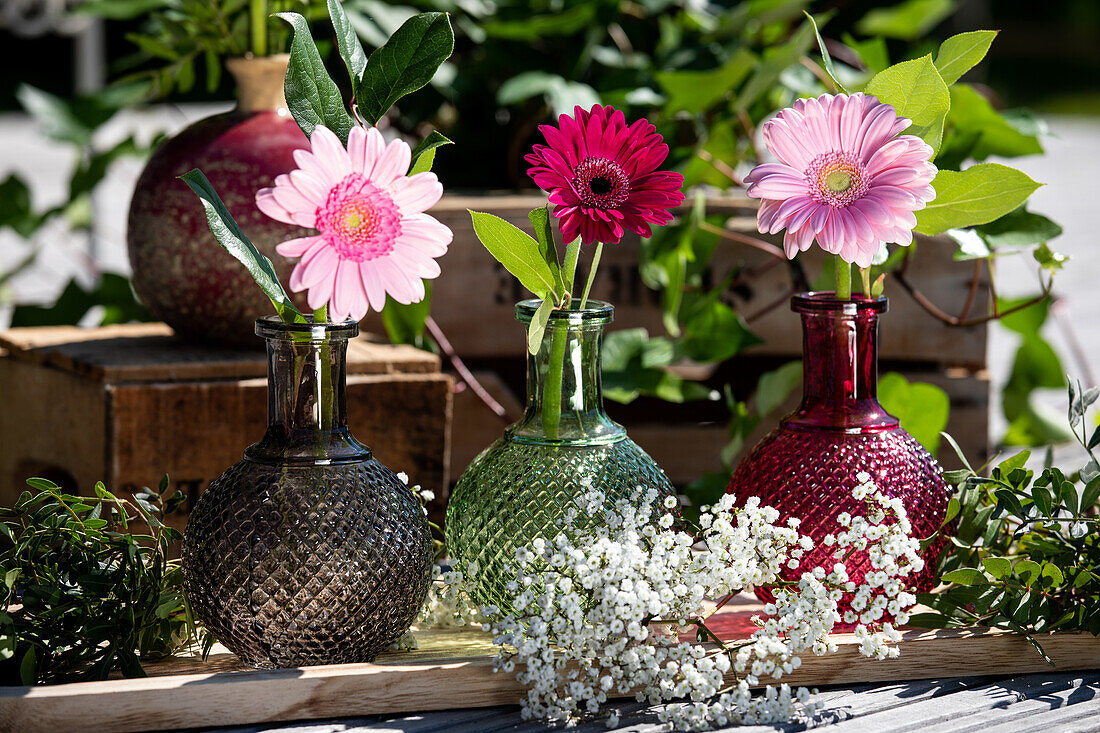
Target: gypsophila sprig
x=603, y=611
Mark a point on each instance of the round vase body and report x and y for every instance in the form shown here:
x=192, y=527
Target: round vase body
x=807, y=468
x=308, y=551
x=180, y=273
x=530, y=482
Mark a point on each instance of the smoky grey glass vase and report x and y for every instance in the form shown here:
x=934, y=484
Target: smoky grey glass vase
x=527, y=483
x=308, y=551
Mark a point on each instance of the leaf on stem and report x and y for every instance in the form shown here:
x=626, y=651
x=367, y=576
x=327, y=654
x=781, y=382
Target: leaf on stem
x=538, y=325
x=517, y=251
x=233, y=240
x=423, y=155
x=311, y=95
x=544, y=233
x=404, y=63
x=347, y=40
x=826, y=58
x=960, y=53
x=977, y=195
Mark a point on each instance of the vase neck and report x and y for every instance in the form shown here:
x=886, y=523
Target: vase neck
x=306, y=395
x=564, y=385
x=260, y=81
x=839, y=364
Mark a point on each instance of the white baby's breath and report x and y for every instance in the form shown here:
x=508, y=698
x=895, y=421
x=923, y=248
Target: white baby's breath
x=599, y=612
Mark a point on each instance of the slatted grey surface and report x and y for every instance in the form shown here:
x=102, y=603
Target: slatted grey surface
x=1040, y=702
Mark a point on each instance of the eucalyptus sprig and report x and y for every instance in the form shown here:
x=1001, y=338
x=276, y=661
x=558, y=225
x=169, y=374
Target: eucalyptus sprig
x=88, y=586
x=1026, y=552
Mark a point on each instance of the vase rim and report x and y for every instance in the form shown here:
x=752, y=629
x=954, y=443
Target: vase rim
x=825, y=301
x=595, y=312
x=275, y=327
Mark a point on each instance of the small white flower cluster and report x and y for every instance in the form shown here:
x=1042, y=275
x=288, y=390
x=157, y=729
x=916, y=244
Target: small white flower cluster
x=448, y=606
x=424, y=495
x=600, y=611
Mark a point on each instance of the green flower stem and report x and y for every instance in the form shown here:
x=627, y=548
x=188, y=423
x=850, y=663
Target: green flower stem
x=843, y=280
x=591, y=274
x=865, y=275
x=551, y=398
x=257, y=13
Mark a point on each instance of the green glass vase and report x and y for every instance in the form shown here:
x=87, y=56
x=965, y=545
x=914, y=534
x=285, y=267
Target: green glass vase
x=523, y=486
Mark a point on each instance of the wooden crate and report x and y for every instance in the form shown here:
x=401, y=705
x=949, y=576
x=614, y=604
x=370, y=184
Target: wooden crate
x=127, y=404
x=686, y=440
x=453, y=669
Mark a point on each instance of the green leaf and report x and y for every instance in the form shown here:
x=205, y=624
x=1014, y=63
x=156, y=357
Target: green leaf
x=311, y=95
x=233, y=240
x=28, y=668
x=826, y=59
x=1019, y=228
x=928, y=620
x=958, y=451
x=1027, y=571
x=1008, y=500
x=998, y=567
x=921, y=408
x=1048, y=259
x=404, y=64
x=714, y=332
x=960, y=53
x=535, y=27
x=977, y=195
x=965, y=576
x=953, y=508
x=119, y=9
x=423, y=155
x=544, y=233
x=347, y=40
x=916, y=90
x=775, y=386
x=907, y=21
x=984, y=129
x=1053, y=573
x=15, y=207
x=695, y=92
x=537, y=327
x=1091, y=493
x=517, y=251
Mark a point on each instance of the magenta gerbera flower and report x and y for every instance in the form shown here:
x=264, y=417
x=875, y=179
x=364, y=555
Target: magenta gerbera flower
x=602, y=176
x=845, y=177
x=373, y=235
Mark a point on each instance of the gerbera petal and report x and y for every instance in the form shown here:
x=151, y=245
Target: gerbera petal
x=297, y=247
x=393, y=162
x=414, y=194
x=265, y=202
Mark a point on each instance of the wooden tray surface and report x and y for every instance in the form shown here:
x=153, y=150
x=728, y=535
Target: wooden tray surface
x=453, y=669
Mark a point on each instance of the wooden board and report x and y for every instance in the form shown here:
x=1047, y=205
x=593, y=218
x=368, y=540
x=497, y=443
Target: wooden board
x=473, y=283
x=453, y=669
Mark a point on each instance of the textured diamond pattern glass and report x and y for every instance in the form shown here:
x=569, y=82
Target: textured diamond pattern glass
x=308, y=551
x=807, y=467
x=522, y=486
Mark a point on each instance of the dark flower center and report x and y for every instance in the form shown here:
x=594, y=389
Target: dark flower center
x=601, y=183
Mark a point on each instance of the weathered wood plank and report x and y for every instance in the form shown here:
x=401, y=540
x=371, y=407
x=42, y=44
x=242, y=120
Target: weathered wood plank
x=454, y=669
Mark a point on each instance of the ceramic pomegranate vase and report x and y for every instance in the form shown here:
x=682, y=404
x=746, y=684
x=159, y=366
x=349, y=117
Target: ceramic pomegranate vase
x=807, y=467
x=179, y=272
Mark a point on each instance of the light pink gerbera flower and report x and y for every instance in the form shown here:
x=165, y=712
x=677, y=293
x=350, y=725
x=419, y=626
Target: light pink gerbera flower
x=844, y=177
x=374, y=237
x=602, y=176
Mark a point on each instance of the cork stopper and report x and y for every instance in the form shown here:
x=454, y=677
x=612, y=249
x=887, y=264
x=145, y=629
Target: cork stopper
x=259, y=81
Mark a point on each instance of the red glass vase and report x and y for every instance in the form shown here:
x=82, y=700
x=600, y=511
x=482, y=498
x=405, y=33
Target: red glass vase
x=807, y=467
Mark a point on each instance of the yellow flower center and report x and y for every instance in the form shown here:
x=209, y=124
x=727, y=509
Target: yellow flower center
x=839, y=181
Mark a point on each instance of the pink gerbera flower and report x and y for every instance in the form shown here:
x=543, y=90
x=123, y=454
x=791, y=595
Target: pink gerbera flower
x=844, y=177
x=602, y=176
x=374, y=237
